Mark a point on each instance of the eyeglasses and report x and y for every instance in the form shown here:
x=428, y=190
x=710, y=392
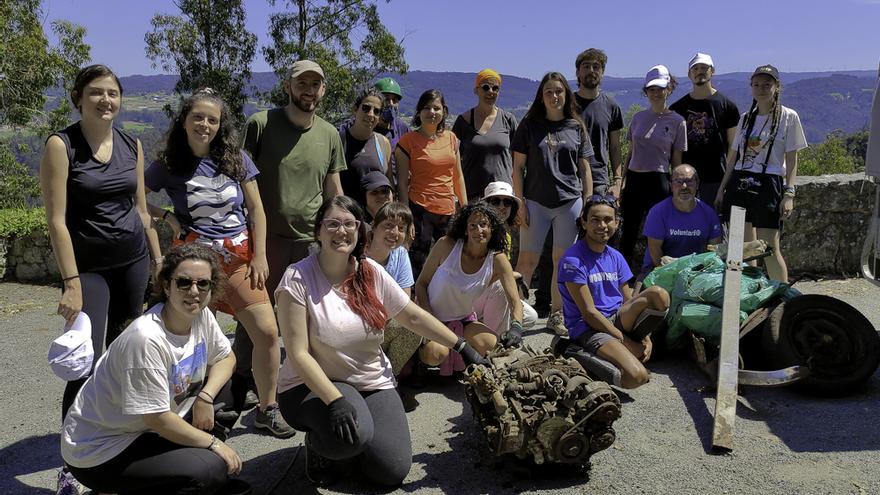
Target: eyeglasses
x=685, y=182
x=487, y=87
x=334, y=225
x=370, y=109
x=184, y=284
x=498, y=201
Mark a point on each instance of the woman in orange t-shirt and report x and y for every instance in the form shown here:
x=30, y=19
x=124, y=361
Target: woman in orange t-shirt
x=429, y=174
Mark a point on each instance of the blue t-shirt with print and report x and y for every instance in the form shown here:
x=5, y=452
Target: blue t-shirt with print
x=603, y=273
x=207, y=202
x=682, y=233
x=400, y=268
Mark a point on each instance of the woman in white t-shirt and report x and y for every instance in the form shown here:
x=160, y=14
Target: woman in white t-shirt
x=762, y=166
x=126, y=431
x=337, y=384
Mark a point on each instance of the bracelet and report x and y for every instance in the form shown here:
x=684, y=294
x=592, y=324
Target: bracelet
x=213, y=443
x=790, y=194
x=204, y=399
x=165, y=215
x=459, y=345
x=70, y=277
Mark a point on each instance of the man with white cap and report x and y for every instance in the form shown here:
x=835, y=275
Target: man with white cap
x=711, y=122
x=299, y=156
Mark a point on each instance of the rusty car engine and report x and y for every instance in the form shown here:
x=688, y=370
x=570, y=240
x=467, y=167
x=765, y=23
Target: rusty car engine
x=533, y=404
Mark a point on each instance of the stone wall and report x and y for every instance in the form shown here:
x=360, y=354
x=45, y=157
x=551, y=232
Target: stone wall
x=823, y=237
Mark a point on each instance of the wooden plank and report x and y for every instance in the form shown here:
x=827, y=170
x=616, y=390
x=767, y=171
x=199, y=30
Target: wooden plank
x=728, y=357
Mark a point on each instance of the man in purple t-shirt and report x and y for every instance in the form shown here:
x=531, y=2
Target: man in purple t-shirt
x=600, y=313
x=681, y=224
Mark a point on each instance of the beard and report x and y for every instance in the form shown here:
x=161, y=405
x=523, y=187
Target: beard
x=589, y=84
x=307, y=107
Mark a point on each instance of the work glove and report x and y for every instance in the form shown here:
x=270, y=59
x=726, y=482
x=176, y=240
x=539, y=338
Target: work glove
x=469, y=354
x=513, y=337
x=343, y=420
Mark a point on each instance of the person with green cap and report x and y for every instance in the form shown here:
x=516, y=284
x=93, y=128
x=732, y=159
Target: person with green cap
x=390, y=124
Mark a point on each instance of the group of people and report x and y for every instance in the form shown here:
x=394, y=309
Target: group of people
x=373, y=250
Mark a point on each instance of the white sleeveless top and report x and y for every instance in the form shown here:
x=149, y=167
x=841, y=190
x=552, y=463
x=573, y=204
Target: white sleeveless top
x=452, y=292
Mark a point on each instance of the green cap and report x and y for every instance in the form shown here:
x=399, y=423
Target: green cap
x=388, y=85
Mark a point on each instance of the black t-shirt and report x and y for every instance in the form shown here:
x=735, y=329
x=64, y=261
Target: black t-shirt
x=361, y=157
x=485, y=157
x=707, y=123
x=601, y=116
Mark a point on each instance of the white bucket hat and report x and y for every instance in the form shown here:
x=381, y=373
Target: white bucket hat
x=500, y=188
x=71, y=354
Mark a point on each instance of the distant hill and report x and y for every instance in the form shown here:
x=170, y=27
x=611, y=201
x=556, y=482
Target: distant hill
x=825, y=100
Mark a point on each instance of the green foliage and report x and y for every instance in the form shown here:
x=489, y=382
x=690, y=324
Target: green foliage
x=828, y=157
x=345, y=36
x=18, y=188
x=208, y=46
x=625, y=145
x=17, y=222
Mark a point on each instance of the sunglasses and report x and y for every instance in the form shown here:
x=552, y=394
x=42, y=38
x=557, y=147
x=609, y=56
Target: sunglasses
x=184, y=284
x=370, y=109
x=602, y=199
x=497, y=201
x=333, y=225
x=487, y=87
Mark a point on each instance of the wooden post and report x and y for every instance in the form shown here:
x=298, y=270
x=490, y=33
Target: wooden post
x=728, y=357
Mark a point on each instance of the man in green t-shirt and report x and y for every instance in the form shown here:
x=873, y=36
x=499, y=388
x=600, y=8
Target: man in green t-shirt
x=299, y=156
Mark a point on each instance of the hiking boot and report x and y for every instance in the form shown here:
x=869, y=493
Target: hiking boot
x=319, y=470
x=271, y=420
x=250, y=400
x=556, y=323
x=68, y=485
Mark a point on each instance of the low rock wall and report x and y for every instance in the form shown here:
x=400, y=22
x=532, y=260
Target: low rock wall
x=823, y=237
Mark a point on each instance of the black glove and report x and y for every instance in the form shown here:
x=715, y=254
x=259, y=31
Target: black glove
x=343, y=420
x=513, y=337
x=469, y=354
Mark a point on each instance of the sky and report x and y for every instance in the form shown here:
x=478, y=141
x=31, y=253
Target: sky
x=530, y=38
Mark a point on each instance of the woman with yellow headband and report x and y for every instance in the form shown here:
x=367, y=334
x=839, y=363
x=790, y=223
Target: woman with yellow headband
x=485, y=132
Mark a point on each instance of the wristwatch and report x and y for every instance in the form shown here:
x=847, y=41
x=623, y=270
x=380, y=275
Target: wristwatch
x=789, y=191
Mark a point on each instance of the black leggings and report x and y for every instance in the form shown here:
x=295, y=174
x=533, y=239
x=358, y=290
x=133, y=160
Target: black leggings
x=642, y=191
x=152, y=464
x=384, y=448
x=111, y=298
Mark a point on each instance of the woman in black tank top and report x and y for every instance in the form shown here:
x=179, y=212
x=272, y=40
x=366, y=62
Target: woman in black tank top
x=365, y=151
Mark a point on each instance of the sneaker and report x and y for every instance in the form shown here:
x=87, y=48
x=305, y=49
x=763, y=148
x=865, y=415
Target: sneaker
x=271, y=420
x=319, y=470
x=68, y=485
x=250, y=400
x=556, y=323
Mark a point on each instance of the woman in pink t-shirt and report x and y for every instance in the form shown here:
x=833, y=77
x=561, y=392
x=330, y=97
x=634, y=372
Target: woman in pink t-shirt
x=337, y=384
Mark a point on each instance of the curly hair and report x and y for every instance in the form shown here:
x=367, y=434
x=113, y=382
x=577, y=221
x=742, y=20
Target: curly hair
x=176, y=256
x=359, y=287
x=591, y=54
x=225, y=150
x=426, y=98
x=458, y=226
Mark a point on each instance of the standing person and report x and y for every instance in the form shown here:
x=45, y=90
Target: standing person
x=659, y=137
x=601, y=314
x=210, y=182
x=429, y=177
x=142, y=422
x=485, y=132
x=390, y=124
x=603, y=119
x=92, y=180
x=299, y=156
x=762, y=166
x=337, y=384
x=365, y=150
x=551, y=174
x=711, y=121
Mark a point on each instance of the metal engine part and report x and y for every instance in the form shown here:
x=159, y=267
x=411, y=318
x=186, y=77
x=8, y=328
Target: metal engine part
x=534, y=404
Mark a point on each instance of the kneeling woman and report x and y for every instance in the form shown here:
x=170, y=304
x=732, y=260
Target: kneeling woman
x=468, y=284
x=337, y=384
x=125, y=432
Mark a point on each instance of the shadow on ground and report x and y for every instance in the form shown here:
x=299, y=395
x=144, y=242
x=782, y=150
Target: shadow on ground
x=27, y=456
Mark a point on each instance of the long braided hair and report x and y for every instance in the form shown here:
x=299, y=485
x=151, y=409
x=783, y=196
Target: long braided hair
x=749, y=124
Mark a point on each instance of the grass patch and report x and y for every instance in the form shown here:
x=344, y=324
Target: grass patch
x=130, y=126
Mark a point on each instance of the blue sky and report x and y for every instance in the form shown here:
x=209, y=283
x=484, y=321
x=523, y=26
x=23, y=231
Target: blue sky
x=529, y=38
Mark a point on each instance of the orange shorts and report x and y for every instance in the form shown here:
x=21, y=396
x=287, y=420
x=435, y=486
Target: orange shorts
x=234, y=255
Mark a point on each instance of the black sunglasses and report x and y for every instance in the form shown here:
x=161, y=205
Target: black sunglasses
x=495, y=201
x=370, y=109
x=487, y=87
x=606, y=199
x=184, y=284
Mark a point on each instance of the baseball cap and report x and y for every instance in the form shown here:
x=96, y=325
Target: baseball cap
x=71, y=354
x=500, y=188
x=300, y=67
x=701, y=58
x=374, y=180
x=768, y=70
x=657, y=76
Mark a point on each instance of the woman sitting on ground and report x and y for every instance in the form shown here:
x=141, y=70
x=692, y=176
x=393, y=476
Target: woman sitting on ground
x=337, y=385
x=210, y=182
x=458, y=286
x=141, y=423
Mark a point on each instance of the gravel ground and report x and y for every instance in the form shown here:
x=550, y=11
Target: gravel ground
x=784, y=443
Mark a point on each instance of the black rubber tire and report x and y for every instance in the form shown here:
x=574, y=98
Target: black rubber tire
x=837, y=343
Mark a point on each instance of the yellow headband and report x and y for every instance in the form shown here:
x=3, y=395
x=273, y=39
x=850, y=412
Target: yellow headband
x=486, y=74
